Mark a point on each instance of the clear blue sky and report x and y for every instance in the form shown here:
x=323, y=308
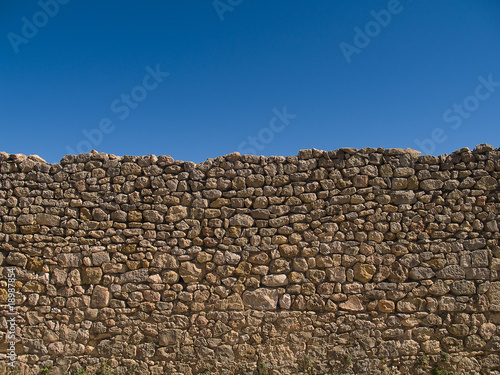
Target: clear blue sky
x=198, y=79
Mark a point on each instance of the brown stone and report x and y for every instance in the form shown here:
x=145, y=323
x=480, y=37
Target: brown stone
x=364, y=272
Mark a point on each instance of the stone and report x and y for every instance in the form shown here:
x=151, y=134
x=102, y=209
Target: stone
x=352, y=304
x=33, y=287
x=70, y=259
x=48, y=220
x=190, y=273
x=170, y=277
x=285, y=301
x=130, y=169
x=153, y=216
x=336, y=274
x=134, y=216
x=91, y=275
x=463, y=287
x=439, y=288
x=176, y=213
x=487, y=183
x=288, y=251
x=136, y=276
x=261, y=299
x=100, y=297
x=409, y=347
x=274, y=280
x=99, y=258
x=235, y=302
x=165, y=260
x=494, y=295
x=241, y=220
x=453, y=271
x=26, y=219
x=403, y=197
x=386, y=306
x=431, y=347
x=171, y=337
x=479, y=258
x=34, y=264
x=30, y=229
x=431, y=184
x=364, y=272
x=17, y=259
x=421, y=273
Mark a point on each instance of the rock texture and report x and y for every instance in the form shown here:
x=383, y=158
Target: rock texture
x=370, y=261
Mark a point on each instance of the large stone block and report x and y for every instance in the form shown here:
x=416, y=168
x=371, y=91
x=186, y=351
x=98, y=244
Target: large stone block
x=261, y=299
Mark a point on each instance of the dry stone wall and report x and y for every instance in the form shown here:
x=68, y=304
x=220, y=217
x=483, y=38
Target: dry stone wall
x=369, y=261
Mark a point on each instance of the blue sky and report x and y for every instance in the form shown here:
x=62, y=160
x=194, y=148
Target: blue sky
x=199, y=79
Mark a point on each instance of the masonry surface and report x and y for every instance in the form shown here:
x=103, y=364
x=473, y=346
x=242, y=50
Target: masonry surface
x=369, y=261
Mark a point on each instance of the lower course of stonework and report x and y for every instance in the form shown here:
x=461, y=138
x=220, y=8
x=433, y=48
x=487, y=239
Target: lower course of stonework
x=353, y=261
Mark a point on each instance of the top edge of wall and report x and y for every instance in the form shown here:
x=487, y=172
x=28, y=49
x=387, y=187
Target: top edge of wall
x=234, y=156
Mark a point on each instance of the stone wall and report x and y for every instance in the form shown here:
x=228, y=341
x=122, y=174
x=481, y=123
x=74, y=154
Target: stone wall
x=370, y=261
